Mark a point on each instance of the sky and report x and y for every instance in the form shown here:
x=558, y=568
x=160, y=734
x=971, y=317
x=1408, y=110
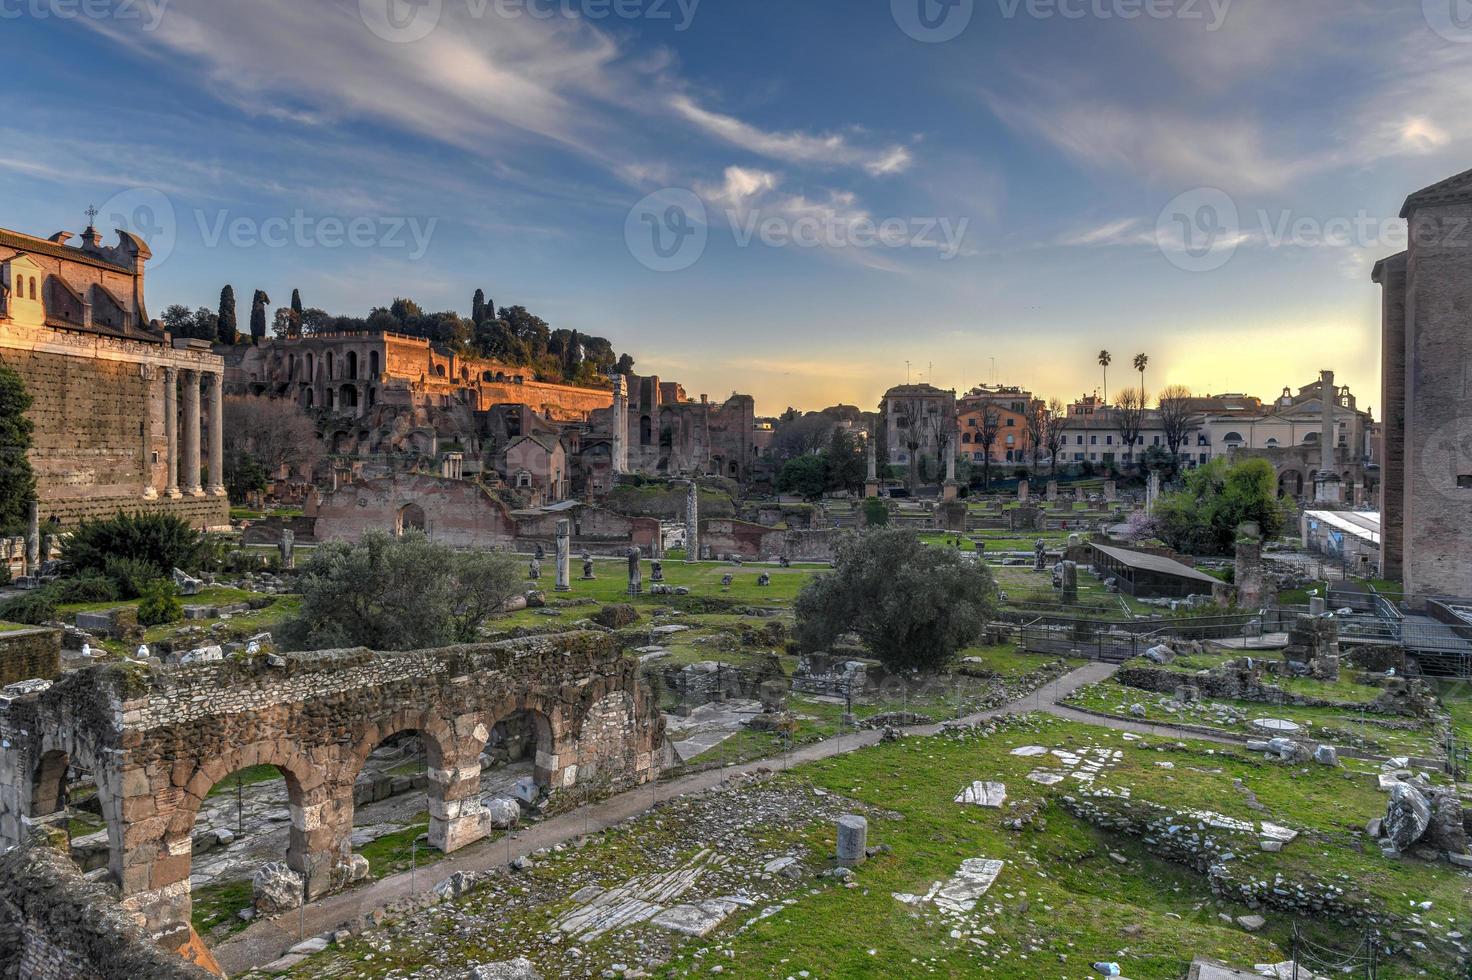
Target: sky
x=804, y=200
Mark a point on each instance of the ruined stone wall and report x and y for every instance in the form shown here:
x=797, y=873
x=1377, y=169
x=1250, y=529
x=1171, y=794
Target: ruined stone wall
x=158, y=740
x=54, y=925
x=457, y=513
x=27, y=654
x=756, y=542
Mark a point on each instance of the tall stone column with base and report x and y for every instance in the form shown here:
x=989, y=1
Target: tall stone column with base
x=564, y=556
x=871, y=478
x=620, y=426
x=171, y=431
x=692, y=523
x=1327, y=487
x=33, y=538
x=951, y=488
x=191, y=424
x=217, y=435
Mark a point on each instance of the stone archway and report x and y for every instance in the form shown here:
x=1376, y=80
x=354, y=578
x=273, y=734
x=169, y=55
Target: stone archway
x=411, y=518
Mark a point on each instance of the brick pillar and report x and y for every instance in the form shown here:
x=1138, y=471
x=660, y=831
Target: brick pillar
x=217, y=434
x=190, y=476
x=171, y=431
x=455, y=811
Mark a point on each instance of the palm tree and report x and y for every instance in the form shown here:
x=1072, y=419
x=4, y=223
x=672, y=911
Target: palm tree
x=1140, y=361
x=1106, y=359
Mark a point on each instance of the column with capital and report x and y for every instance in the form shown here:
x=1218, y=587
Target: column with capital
x=190, y=475
x=171, y=431
x=151, y=412
x=217, y=434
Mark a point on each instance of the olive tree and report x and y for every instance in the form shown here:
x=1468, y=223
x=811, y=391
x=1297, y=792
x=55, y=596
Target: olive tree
x=914, y=606
x=398, y=593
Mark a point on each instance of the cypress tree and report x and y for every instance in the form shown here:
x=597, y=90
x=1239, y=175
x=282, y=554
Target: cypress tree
x=296, y=313
x=226, y=327
x=258, y=317
x=478, y=307
x=17, y=481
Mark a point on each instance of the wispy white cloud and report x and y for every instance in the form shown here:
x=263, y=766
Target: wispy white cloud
x=795, y=147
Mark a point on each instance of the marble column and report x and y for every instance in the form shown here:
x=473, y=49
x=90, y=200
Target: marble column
x=217, y=435
x=191, y=423
x=620, y=426
x=171, y=431
x=692, y=523
x=151, y=412
x=564, y=556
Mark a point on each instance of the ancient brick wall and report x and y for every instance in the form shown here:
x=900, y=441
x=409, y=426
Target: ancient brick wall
x=56, y=926
x=97, y=405
x=27, y=654
x=458, y=513
x=755, y=542
x=1438, y=402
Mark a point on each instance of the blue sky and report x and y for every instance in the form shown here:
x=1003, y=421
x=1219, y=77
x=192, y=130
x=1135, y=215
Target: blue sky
x=1206, y=181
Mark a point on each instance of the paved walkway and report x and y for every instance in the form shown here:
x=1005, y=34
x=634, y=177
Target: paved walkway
x=267, y=940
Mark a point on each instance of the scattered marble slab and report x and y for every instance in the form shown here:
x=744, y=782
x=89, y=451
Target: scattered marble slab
x=1277, y=725
x=778, y=864
x=696, y=918
x=637, y=900
x=1272, y=831
x=1387, y=781
x=668, y=630
x=959, y=895
x=1220, y=821
x=991, y=795
x=1028, y=751
x=1045, y=778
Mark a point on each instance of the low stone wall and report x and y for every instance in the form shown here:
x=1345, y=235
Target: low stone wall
x=1187, y=840
x=756, y=542
x=1400, y=698
x=28, y=654
x=54, y=925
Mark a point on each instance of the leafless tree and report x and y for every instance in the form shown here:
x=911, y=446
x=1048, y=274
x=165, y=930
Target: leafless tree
x=986, y=437
x=1036, y=421
x=1176, y=418
x=1129, y=416
x=273, y=431
x=1055, y=436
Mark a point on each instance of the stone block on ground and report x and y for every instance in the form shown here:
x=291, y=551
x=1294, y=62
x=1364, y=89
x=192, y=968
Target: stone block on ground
x=1406, y=816
x=276, y=888
x=853, y=839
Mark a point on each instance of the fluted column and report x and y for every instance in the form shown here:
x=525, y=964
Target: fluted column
x=217, y=434
x=171, y=430
x=151, y=412
x=191, y=423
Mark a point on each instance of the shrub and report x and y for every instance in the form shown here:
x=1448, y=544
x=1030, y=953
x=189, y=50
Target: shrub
x=131, y=575
x=161, y=540
x=31, y=608
x=160, y=604
x=88, y=587
x=876, y=512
